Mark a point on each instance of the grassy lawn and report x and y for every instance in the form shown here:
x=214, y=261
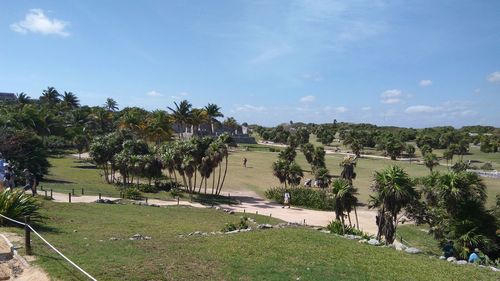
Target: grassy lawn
x=69, y=173
x=418, y=237
x=82, y=231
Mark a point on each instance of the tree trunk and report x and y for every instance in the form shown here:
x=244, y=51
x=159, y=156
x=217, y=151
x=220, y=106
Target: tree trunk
x=205, y=185
x=224, y=177
x=201, y=183
x=213, y=180
x=349, y=218
x=356, y=215
x=218, y=180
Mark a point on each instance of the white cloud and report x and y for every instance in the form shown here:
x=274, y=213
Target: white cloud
x=154, y=94
x=249, y=108
x=37, y=22
x=494, y=77
x=339, y=109
x=423, y=109
x=180, y=96
x=391, y=96
x=307, y=99
x=366, y=108
x=425, y=83
x=312, y=77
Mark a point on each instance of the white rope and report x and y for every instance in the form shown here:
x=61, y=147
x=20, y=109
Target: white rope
x=12, y=220
x=52, y=247
x=61, y=254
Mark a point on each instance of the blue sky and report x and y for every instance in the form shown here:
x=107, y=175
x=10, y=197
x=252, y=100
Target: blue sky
x=406, y=63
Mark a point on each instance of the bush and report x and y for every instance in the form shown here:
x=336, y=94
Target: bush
x=304, y=197
x=17, y=204
x=487, y=166
x=167, y=186
x=272, y=149
x=56, y=142
x=146, y=188
x=232, y=227
x=132, y=193
x=335, y=227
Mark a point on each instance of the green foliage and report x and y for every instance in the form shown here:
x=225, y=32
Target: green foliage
x=132, y=193
x=304, y=197
x=336, y=227
x=17, y=204
x=487, y=166
x=24, y=150
x=147, y=188
x=242, y=224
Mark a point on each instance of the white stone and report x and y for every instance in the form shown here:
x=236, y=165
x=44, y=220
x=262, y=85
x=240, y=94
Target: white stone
x=373, y=242
x=451, y=259
x=412, y=250
x=461, y=262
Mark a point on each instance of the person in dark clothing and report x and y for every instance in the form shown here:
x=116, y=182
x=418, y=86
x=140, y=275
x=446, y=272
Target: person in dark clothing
x=448, y=249
x=31, y=182
x=9, y=178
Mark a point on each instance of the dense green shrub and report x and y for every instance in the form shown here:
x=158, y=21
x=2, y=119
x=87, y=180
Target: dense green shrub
x=147, y=188
x=17, y=204
x=231, y=226
x=132, y=193
x=335, y=227
x=303, y=196
x=487, y=166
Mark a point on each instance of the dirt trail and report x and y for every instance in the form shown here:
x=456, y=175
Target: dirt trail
x=252, y=203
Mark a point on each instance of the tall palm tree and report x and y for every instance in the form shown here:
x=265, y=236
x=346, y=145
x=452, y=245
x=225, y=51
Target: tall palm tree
x=454, y=187
x=50, y=96
x=308, y=151
x=213, y=112
x=70, y=100
x=23, y=98
x=394, y=190
x=430, y=161
x=181, y=114
x=158, y=126
x=196, y=118
x=111, y=105
x=280, y=170
x=348, y=164
x=295, y=174
x=231, y=124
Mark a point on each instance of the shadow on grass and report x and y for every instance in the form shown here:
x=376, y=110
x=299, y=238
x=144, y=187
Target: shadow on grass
x=91, y=167
x=55, y=181
x=214, y=199
x=69, y=271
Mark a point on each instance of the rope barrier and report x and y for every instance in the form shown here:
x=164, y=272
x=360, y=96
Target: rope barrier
x=52, y=247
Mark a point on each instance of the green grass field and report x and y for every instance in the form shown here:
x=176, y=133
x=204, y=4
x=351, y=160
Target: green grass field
x=69, y=173
x=82, y=231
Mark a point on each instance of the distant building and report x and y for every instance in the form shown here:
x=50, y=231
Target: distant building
x=5, y=97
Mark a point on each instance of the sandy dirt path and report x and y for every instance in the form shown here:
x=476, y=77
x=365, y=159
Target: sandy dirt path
x=250, y=202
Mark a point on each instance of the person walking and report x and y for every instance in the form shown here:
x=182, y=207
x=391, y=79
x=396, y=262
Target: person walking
x=245, y=162
x=286, y=199
x=31, y=182
x=9, y=178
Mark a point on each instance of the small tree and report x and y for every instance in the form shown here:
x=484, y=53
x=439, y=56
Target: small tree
x=431, y=161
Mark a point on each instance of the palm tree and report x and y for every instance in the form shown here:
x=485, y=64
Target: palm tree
x=231, y=124
x=23, y=98
x=280, y=170
x=295, y=174
x=111, y=105
x=158, y=126
x=197, y=117
x=50, y=96
x=348, y=164
x=410, y=151
x=394, y=190
x=308, y=150
x=181, y=114
x=454, y=187
x=70, y=100
x=213, y=112
x=430, y=161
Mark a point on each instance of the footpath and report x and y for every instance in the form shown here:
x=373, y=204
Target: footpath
x=251, y=203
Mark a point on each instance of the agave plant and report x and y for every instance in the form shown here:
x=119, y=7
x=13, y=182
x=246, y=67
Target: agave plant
x=17, y=205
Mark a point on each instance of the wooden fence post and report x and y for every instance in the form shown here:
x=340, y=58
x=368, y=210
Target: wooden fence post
x=99, y=196
x=69, y=197
x=83, y=192
x=27, y=235
x=51, y=197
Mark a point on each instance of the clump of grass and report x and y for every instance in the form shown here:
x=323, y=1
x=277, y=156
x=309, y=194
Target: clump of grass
x=17, y=205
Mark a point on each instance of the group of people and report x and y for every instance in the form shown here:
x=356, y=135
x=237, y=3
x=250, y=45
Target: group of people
x=448, y=252
x=8, y=178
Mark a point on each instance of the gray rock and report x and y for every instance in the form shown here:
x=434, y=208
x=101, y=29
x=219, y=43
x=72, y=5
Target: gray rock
x=113, y=239
x=451, y=259
x=139, y=237
x=494, y=268
x=461, y=262
x=218, y=208
x=233, y=232
x=246, y=229
x=363, y=241
x=442, y=258
x=231, y=212
x=197, y=233
x=374, y=242
x=352, y=237
x=264, y=226
x=317, y=228
x=412, y=250
x=325, y=231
